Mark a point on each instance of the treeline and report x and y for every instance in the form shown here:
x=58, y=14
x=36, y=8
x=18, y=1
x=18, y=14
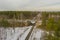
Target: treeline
x=17, y=14
x=7, y=15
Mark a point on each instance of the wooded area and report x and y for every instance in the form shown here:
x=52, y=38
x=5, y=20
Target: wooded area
x=50, y=21
x=51, y=24
x=13, y=16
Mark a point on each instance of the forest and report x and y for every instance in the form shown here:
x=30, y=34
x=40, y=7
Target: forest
x=50, y=21
x=15, y=15
x=51, y=24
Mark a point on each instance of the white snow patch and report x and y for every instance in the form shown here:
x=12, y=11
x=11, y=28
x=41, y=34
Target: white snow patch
x=36, y=34
x=25, y=34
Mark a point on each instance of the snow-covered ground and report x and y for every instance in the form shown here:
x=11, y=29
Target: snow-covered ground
x=15, y=33
x=25, y=34
x=36, y=34
x=20, y=33
x=2, y=34
x=12, y=33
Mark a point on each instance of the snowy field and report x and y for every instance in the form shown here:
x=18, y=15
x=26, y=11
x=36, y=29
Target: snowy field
x=36, y=34
x=12, y=34
x=20, y=33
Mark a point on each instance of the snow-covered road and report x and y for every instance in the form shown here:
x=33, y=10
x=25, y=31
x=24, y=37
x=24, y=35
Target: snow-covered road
x=17, y=34
x=20, y=33
x=25, y=34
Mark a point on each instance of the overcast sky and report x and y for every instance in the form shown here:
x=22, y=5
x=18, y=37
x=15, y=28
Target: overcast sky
x=30, y=5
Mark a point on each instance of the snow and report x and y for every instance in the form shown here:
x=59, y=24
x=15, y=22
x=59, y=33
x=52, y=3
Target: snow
x=36, y=34
x=2, y=33
x=25, y=34
x=20, y=33
x=14, y=34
